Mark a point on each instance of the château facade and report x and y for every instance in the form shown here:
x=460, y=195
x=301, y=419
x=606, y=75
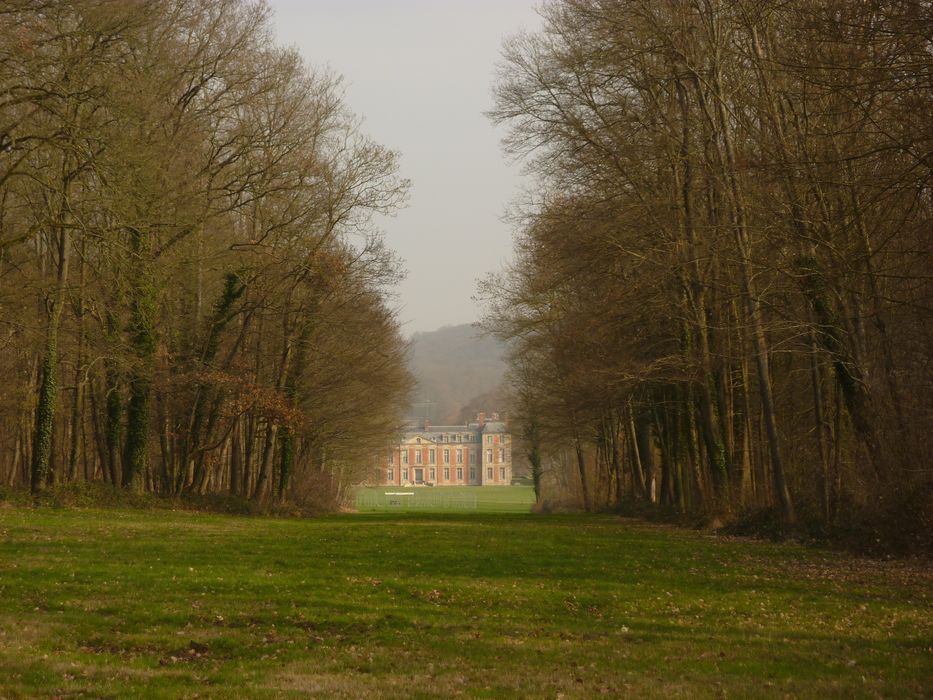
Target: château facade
x=476, y=454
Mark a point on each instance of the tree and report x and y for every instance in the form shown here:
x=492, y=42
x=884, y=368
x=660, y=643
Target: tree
x=216, y=197
x=700, y=257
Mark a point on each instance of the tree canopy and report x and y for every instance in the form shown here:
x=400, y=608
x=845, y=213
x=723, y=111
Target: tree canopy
x=721, y=293
x=193, y=296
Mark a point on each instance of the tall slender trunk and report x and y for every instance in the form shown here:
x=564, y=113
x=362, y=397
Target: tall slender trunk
x=77, y=406
x=249, y=445
x=264, y=476
x=813, y=282
x=142, y=338
x=533, y=439
x=644, y=441
x=615, y=458
x=205, y=393
x=697, y=300
x=48, y=382
x=819, y=426
x=746, y=479
x=719, y=122
x=581, y=468
x=291, y=390
x=236, y=456
x=639, y=486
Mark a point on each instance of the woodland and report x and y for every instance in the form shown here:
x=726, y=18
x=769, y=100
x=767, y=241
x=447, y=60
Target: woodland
x=720, y=302
x=718, y=310
x=193, y=297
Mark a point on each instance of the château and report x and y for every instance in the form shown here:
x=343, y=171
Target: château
x=476, y=454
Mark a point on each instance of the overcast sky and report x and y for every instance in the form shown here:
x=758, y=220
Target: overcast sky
x=420, y=73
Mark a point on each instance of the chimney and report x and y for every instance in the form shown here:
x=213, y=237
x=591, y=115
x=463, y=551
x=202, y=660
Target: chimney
x=481, y=419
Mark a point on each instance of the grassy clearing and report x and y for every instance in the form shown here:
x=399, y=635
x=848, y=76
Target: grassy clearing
x=110, y=603
x=465, y=499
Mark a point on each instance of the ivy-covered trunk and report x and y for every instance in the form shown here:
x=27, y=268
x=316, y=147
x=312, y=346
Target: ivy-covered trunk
x=45, y=411
x=142, y=339
x=208, y=399
x=533, y=439
x=48, y=381
x=292, y=384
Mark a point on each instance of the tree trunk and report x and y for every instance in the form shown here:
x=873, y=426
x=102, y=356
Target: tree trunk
x=48, y=383
x=581, y=468
x=644, y=441
x=719, y=121
x=143, y=343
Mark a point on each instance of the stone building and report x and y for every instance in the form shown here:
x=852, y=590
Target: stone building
x=476, y=454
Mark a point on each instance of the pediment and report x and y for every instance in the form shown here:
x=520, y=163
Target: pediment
x=417, y=441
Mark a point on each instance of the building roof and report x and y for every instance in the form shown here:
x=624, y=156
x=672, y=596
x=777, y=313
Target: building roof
x=430, y=435
x=415, y=429
x=441, y=429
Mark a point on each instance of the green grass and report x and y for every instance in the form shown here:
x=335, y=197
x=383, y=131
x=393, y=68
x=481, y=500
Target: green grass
x=110, y=603
x=466, y=499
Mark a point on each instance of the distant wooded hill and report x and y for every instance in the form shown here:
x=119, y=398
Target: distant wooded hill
x=459, y=372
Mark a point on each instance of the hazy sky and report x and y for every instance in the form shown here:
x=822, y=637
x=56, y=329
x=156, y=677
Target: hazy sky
x=420, y=73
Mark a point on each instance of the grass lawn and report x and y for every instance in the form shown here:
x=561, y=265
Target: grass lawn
x=467, y=499
x=111, y=603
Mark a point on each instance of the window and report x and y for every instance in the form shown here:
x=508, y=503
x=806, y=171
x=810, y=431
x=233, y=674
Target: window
x=432, y=454
x=404, y=475
x=472, y=473
x=433, y=474
x=405, y=457
x=489, y=473
x=418, y=457
x=489, y=455
x=390, y=474
x=501, y=473
x=459, y=456
x=489, y=439
x=392, y=458
x=446, y=456
x=501, y=454
x=457, y=437
x=472, y=457
x=459, y=473
x=446, y=473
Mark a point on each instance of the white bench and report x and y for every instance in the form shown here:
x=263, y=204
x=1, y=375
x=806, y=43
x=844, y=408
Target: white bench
x=395, y=502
